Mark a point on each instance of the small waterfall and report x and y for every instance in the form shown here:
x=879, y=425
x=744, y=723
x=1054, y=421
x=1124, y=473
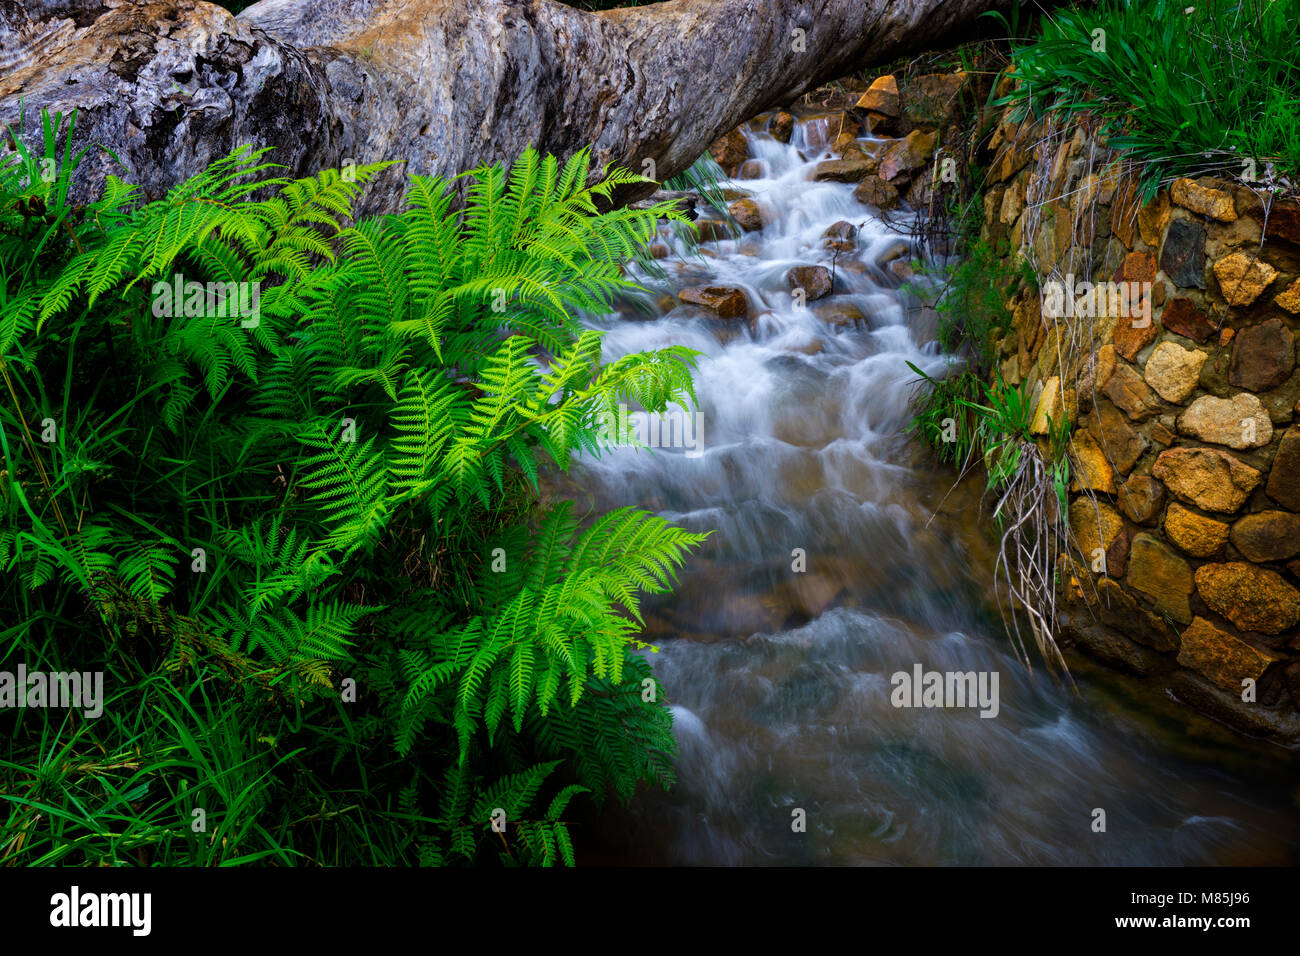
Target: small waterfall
x=828, y=574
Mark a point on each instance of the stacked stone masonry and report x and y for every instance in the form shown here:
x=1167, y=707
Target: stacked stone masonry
x=1165, y=330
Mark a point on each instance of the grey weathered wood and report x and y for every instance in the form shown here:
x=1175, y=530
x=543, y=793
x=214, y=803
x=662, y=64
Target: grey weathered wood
x=442, y=84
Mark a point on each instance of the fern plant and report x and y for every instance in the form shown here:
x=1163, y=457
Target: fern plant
x=331, y=500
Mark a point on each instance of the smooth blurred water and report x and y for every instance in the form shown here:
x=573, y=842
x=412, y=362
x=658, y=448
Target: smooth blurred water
x=780, y=679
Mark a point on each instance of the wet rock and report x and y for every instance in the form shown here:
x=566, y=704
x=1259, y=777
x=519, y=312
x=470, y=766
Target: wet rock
x=1214, y=203
x=1206, y=477
x=876, y=193
x=849, y=170
x=839, y=313
x=714, y=230
x=1231, y=710
x=729, y=151
x=751, y=169
x=1243, y=278
x=1267, y=536
x=1196, y=534
x=1130, y=394
x=1284, y=477
x=1182, y=317
x=726, y=302
x=1251, y=597
x=1117, y=606
x=1160, y=574
x=1262, y=356
x=881, y=97
x=896, y=250
x=815, y=281
x=747, y=213
x=846, y=147
x=840, y=237
x=911, y=152
x=1140, y=498
x=1115, y=650
x=1173, y=371
x=1225, y=660
x=782, y=126
x=1239, y=422
x=814, y=347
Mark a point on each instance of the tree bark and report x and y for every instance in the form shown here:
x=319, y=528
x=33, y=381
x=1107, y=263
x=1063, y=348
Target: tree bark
x=443, y=85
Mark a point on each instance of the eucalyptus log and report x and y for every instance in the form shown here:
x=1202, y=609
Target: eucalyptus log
x=164, y=86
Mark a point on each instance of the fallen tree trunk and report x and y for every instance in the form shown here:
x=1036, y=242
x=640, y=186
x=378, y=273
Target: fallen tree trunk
x=443, y=85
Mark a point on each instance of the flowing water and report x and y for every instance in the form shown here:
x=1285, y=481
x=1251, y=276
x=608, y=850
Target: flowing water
x=840, y=557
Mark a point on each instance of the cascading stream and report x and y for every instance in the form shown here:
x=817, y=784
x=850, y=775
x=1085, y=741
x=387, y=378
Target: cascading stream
x=781, y=678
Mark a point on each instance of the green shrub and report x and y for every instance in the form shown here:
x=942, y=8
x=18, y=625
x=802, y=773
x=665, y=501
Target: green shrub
x=1184, y=88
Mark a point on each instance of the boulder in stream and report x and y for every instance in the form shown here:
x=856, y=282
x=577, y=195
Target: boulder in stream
x=911, y=152
x=747, y=213
x=840, y=236
x=881, y=96
x=730, y=150
x=714, y=230
x=851, y=169
x=839, y=313
x=724, y=301
x=816, y=281
x=781, y=127
x=875, y=192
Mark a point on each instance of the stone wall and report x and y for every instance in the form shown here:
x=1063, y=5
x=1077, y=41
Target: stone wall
x=1184, y=402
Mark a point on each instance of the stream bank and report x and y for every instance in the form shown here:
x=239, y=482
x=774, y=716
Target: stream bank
x=1164, y=330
